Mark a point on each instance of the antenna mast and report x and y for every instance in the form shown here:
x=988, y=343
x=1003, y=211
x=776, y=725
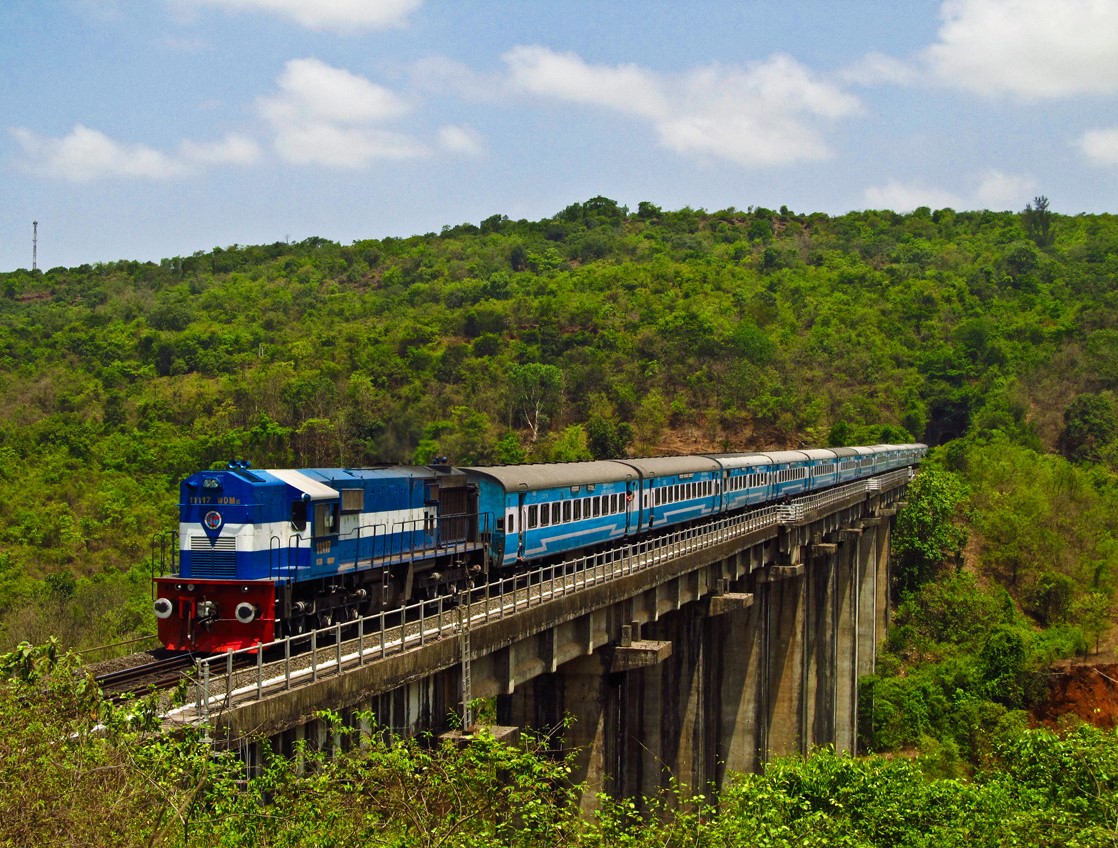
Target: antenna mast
x=34, y=245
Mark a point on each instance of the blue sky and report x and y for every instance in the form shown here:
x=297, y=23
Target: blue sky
x=146, y=129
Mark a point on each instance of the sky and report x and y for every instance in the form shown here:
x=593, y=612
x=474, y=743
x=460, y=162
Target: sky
x=149, y=129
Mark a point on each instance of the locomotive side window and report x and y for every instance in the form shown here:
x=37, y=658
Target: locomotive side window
x=325, y=519
x=299, y=515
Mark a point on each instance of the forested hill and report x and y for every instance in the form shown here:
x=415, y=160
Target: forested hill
x=598, y=332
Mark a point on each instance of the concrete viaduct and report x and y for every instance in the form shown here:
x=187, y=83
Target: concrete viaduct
x=709, y=649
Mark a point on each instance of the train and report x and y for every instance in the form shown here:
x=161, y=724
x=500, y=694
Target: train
x=263, y=554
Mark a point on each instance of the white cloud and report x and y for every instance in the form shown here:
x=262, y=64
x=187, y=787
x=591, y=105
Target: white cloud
x=86, y=155
x=1028, y=48
x=904, y=197
x=876, y=68
x=312, y=90
x=565, y=76
x=999, y=191
x=764, y=114
x=343, y=16
x=464, y=140
x=1100, y=146
x=329, y=116
x=231, y=150
x=991, y=189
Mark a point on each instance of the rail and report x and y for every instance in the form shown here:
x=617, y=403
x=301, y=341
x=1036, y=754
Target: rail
x=220, y=679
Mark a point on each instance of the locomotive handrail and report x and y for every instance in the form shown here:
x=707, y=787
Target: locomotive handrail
x=426, y=620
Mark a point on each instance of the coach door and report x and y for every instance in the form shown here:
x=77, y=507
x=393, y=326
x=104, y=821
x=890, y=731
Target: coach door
x=520, y=516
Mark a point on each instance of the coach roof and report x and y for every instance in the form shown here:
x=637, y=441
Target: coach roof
x=555, y=475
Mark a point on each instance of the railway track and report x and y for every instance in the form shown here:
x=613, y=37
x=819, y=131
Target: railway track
x=160, y=672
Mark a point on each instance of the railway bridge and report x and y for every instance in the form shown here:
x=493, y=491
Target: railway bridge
x=706, y=649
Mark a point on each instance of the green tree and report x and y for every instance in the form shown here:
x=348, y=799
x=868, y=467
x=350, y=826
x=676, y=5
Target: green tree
x=1090, y=426
x=535, y=391
x=928, y=529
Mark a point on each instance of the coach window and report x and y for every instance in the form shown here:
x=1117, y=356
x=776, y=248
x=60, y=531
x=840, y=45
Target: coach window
x=533, y=516
x=545, y=515
x=555, y=513
x=566, y=510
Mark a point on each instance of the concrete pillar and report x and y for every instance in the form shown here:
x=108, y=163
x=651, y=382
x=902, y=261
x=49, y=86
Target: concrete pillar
x=739, y=642
x=846, y=643
x=820, y=619
x=867, y=599
x=667, y=709
x=785, y=695
x=884, y=544
x=583, y=690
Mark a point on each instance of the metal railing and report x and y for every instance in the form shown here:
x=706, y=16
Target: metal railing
x=244, y=674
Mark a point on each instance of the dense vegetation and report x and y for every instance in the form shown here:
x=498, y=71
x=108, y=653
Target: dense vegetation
x=602, y=332
x=126, y=786
x=596, y=332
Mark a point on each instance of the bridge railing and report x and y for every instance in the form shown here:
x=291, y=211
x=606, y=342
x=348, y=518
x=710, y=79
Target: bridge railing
x=285, y=663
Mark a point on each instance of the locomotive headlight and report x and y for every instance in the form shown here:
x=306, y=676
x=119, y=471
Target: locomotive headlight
x=211, y=483
x=246, y=613
x=163, y=608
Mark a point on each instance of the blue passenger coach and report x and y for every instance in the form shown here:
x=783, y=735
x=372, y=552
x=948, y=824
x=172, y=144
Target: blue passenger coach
x=676, y=489
x=552, y=508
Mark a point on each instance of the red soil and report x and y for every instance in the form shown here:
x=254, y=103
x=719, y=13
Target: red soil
x=1088, y=692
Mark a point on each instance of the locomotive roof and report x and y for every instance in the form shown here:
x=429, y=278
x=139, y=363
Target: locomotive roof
x=550, y=475
x=377, y=472
x=316, y=489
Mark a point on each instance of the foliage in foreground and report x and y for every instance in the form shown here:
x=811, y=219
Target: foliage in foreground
x=73, y=767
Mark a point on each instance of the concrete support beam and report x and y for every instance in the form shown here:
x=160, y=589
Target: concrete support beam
x=730, y=602
x=639, y=654
x=780, y=572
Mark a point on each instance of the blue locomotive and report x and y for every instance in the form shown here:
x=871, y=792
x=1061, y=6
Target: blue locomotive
x=267, y=553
